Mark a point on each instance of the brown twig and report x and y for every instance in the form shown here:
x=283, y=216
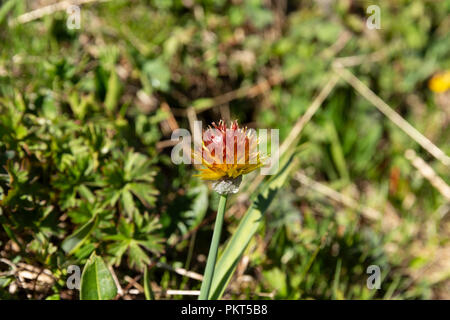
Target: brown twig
x=294, y=135
x=116, y=281
x=306, y=117
x=428, y=173
x=170, y=124
x=50, y=9
x=368, y=212
x=181, y=271
x=134, y=283
x=384, y=108
x=171, y=292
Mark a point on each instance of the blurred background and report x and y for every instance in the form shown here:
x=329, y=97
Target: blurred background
x=86, y=116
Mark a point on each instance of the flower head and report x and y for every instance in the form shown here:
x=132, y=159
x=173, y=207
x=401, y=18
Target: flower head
x=227, y=153
x=440, y=82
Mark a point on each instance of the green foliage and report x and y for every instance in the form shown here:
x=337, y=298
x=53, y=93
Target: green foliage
x=133, y=178
x=135, y=237
x=97, y=282
x=229, y=259
x=86, y=116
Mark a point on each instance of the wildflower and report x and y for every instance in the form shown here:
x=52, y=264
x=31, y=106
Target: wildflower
x=226, y=154
x=440, y=82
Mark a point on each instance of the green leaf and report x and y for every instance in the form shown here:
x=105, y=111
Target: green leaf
x=227, y=263
x=151, y=243
x=198, y=207
x=97, y=282
x=203, y=103
x=6, y=8
x=76, y=239
x=336, y=151
x=130, y=237
x=134, y=177
x=143, y=192
x=113, y=92
x=158, y=74
x=128, y=202
x=86, y=193
x=126, y=228
x=138, y=257
x=149, y=295
x=11, y=235
x=277, y=280
x=117, y=249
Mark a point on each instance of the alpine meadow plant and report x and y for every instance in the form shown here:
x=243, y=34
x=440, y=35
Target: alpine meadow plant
x=89, y=124
x=226, y=155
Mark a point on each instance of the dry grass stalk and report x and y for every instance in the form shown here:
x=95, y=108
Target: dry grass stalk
x=384, y=108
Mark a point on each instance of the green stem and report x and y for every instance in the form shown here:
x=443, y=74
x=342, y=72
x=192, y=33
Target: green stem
x=211, y=262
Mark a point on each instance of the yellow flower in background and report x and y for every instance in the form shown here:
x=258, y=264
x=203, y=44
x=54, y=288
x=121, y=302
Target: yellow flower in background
x=440, y=82
x=226, y=154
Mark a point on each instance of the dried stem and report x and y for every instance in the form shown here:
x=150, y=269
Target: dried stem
x=384, y=108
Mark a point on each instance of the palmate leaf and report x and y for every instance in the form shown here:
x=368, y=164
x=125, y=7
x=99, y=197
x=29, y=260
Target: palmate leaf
x=227, y=263
x=85, y=211
x=147, y=225
x=145, y=194
x=133, y=179
x=90, y=216
x=76, y=176
x=134, y=238
x=127, y=202
x=138, y=258
x=151, y=243
x=97, y=282
x=117, y=250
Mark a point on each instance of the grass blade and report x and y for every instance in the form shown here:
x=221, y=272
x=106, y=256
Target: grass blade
x=228, y=261
x=148, y=292
x=76, y=239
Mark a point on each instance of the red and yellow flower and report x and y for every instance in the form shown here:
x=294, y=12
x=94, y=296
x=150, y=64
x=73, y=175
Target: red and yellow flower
x=227, y=153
